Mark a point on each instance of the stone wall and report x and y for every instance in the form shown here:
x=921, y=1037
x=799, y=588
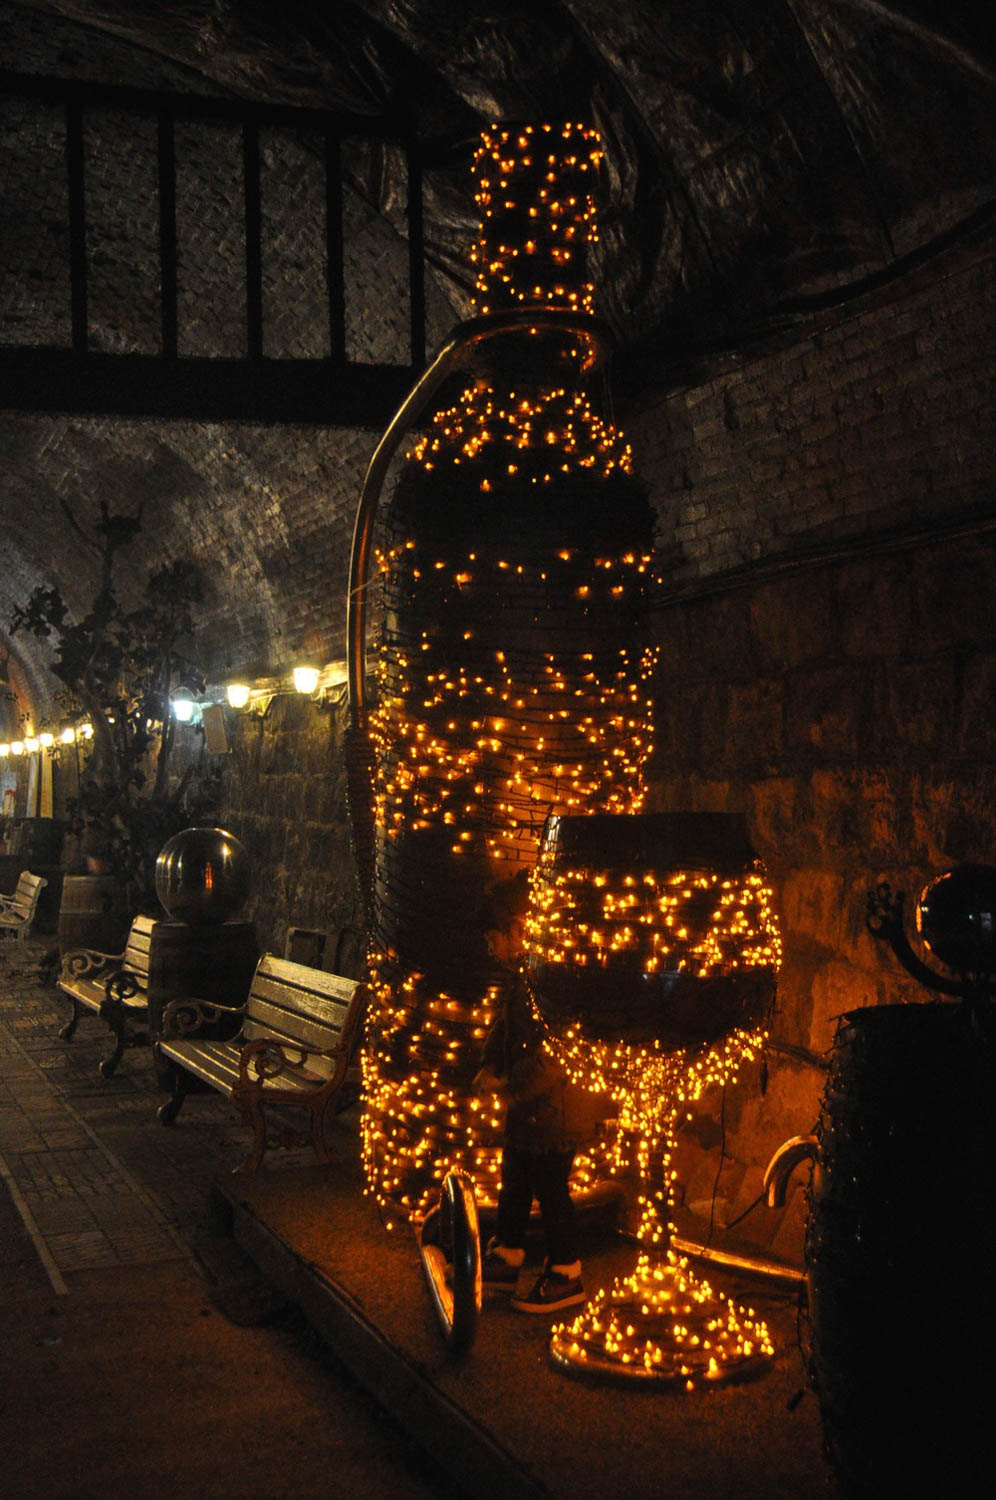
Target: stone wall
x=846, y=708
x=828, y=663
x=880, y=421
x=284, y=795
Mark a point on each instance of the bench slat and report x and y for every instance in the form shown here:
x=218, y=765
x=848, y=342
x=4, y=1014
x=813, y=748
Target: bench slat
x=19, y=909
x=297, y=997
x=295, y=1033
x=136, y=954
x=217, y=1063
x=91, y=993
x=321, y=1066
x=314, y=981
x=282, y=1009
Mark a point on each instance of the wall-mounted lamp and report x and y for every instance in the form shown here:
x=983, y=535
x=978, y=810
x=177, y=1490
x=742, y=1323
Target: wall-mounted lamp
x=183, y=709
x=318, y=683
x=32, y=743
x=67, y=736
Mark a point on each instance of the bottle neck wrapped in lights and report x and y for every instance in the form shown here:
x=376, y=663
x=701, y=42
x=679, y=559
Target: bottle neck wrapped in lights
x=535, y=192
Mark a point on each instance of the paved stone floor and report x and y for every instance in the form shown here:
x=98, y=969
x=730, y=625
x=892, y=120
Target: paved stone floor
x=107, y=1240
x=96, y=1180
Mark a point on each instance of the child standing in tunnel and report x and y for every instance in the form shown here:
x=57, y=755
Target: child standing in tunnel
x=547, y=1118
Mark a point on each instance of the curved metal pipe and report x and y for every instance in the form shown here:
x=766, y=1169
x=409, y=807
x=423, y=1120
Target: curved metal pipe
x=464, y=339
x=453, y=1268
x=796, y=1149
x=735, y=1260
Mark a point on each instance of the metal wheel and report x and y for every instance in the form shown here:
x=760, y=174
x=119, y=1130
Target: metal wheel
x=450, y=1246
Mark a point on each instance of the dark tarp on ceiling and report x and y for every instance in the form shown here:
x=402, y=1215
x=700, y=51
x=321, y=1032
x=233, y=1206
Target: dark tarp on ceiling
x=763, y=156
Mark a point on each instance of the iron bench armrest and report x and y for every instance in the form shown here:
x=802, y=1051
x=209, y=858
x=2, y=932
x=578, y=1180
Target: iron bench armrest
x=186, y=1016
x=87, y=963
x=265, y=1059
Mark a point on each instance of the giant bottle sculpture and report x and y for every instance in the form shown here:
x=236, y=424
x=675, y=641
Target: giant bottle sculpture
x=514, y=665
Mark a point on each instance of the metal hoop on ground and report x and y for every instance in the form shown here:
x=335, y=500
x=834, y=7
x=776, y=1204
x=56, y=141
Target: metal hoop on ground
x=449, y=1241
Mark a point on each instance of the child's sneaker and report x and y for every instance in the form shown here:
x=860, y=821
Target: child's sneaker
x=551, y=1292
x=497, y=1275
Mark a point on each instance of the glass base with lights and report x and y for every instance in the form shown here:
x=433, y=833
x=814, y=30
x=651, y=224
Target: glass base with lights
x=663, y=1322
x=652, y=952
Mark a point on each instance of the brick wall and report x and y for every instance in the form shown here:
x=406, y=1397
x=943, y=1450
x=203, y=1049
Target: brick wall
x=284, y=795
x=828, y=662
x=883, y=421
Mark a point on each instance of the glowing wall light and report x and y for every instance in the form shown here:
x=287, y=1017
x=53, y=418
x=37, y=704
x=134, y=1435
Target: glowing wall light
x=238, y=693
x=305, y=679
x=183, y=710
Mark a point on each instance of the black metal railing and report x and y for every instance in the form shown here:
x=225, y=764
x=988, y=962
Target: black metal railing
x=74, y=376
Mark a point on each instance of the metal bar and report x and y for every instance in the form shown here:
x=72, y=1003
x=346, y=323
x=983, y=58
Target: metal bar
x=416, y=258
x=197, y=387
x=77, y=222
x=334, y=254
x=254, y=239
x=167, y=234
x=207, y=389
x=193, y=106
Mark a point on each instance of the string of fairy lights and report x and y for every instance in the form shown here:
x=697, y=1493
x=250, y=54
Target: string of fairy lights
x=534, y=190
x=515, y=682
x=661, y=1322
x=698, y=921
x=514, y=569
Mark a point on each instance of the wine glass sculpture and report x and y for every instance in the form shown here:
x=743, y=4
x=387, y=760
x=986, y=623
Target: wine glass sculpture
x=651, y=957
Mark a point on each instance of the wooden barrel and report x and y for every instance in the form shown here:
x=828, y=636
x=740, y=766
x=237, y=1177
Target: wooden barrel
x=93, y=913
x=213, y=963
x=897, y=1247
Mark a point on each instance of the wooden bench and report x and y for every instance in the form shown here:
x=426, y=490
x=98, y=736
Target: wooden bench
x=18, y=911
x=114, y=985
x=300, y=1029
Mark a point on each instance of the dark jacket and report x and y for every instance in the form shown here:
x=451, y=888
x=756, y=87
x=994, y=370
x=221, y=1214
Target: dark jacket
x=545, y=1111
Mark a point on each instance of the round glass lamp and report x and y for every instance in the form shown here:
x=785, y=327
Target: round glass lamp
x=651, y=957
x=203, y=876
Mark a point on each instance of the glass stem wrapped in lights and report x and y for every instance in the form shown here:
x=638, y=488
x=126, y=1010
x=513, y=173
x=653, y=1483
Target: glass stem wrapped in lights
x=514, y=670
x=652, y=954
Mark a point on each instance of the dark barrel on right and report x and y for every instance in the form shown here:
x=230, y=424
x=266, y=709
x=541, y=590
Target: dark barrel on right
x=898, y=1249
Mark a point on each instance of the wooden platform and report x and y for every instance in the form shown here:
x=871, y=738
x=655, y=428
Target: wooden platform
x=502, y=1420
